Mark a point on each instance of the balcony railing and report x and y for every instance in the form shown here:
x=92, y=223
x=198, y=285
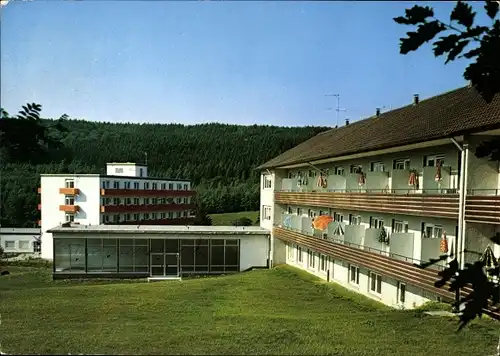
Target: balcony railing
x=410, y=204
x=173, y=221
x=69, y=208
x=69, y=191
x=482, y=209
x=147, y=192
x=147, y=208
x=371, y=259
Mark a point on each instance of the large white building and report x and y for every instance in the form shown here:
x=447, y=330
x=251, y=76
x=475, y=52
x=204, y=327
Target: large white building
x=125, y=195
x=401, y=187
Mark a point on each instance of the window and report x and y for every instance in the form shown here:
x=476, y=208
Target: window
x=116, y=185
x=118, y=170
x=127, y=185
x=106, y=218
x=136, y=201
x=170, y=215
x=179, y=186
x=432, y=160
x=339, y=171
x=163, y=186
x=146, y=201
x=70, y=217
x=10, y=244
x=266, y=212
x=154, y=201
x=399, y=226
x=105, y=184
x=354, y=219
x=146, y=185
x=116, y=218
x=141, y=172
x=136, y=185
x=178, y=214
x=401, y=293
x=170, y=186
x=128, y=201
x=376, y=223
x=377, y=167
x=136, y=217
x=267, y=182
x=185, y=213
x=311, y=258
x=356, y=168
x=289, y=210
x=146, y=216
x=338, y=217
x=153, y=216
x=353, y=274
x=401, y=163
x=69, y=200
x=126, y=217
x=116, y=201
x=323, y=263
x=24, y=244
x=375, y=283
x=186, y=187
x=299, y=254
x=312, y=173
x=155, y=186
x=433, y=231
x=311, y=213
x=299, y=211
x=163, y=215
x=69, y=183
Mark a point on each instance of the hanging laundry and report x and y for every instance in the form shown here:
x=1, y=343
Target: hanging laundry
x=361, y=178
x=321, y=181
x=443, y=246
x=489, y=260
x=413, y=179
x=321, y=222
x=438, y=176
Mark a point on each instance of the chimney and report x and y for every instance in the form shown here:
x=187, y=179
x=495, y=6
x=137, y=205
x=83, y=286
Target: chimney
x=415, y=99
x=377, y=112
x=346, y=122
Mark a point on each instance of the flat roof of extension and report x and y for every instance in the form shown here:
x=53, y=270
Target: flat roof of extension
x=112, y=176
x=160, y=229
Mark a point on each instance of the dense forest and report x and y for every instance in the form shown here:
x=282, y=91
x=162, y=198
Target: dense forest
x=218, y=158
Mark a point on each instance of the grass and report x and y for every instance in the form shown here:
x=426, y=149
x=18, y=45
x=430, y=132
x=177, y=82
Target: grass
x=274, y=312
x=227, y=219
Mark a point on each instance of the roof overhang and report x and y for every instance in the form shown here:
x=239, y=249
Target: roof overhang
x=414, y=146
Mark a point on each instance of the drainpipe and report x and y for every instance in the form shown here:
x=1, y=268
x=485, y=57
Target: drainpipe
x=461, y=199
x=464, y=223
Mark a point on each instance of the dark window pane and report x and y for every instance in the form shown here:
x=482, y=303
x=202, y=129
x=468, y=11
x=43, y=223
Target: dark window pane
x=198, y=268
x=126, y=257
x=201, y=255
x=172, y=245
x=109, y=242
x=94, y=256
x=109, y=260
x=187, y=255
x=69, y=255
x=231, y=268
x=126, y=269
x=141, y=269
x=187, y=268
x=187, y=242
x=202, y=242
x=217, y=269
x=231, y=255
x=217, y=242
x=141, y=257
x=156, y=245
x=232, y=242
x=217, y=257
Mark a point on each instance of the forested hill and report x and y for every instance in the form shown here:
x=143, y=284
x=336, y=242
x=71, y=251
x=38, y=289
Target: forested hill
x=219, y=159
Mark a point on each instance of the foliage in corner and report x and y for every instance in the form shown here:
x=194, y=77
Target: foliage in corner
x=243, y=221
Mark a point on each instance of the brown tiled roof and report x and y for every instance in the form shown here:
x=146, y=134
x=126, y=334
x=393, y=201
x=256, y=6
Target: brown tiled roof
x=453, y=113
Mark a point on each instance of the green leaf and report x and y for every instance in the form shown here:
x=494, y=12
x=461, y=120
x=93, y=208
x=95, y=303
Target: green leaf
x=415, y=15
x=456, y=50
x=472, y=53
x=463, y=14
x=445, y=44
x=491, y=8
x=425, y=32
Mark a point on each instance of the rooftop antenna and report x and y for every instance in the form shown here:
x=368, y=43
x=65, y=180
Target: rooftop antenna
x=337, y=109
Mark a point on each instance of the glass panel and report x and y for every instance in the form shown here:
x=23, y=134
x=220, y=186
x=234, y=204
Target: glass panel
x=187, y=255
x=172, y=245
x=217, y=256
x=187, y=268
x=232, y=255
x=157, y=259
x=156, y=245
x=141, y=258
x=157, y=271
x=202, y=242
x=94, y=255
x=232, y=242
x=217, y=269
x=126, y=258
x=201, y=255
x=217, y=242
x=231, y=268
x=109, y=260
x=69, y=255
x=187, y=242
x=198, y=268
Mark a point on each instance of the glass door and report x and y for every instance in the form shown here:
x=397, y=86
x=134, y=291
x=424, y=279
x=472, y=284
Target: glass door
x=157, y=264
x=172, y=264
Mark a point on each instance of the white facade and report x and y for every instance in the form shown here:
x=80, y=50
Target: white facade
x=124, y=197
x=413, y=237
x=19, y=240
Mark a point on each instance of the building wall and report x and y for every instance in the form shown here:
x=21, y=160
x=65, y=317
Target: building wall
x=338, y=272
x=483, y=174
x=267, y=200
x=14, y=240
x=154, y=184
x=88, y=201
x=254, y=251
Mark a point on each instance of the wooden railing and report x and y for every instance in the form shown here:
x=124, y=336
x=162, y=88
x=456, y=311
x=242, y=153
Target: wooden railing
x=444, y=205
x=483, y=209
x=394, y=268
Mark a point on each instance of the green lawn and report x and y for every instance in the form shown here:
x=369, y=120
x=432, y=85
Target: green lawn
x=227, y=219
x=279, y=311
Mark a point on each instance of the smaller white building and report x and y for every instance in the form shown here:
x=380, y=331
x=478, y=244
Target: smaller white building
x=128, y=251
x=20, y=240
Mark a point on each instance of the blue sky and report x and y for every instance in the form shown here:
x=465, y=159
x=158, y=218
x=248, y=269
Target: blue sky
x=233, y=62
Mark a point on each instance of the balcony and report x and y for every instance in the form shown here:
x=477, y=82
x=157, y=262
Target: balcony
x=69, y=191
x=177, y=221
x=445, y=206
x=69, y=208
x=400, y=268
x=147, y=193
x=482, y=208
x=146, y=208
